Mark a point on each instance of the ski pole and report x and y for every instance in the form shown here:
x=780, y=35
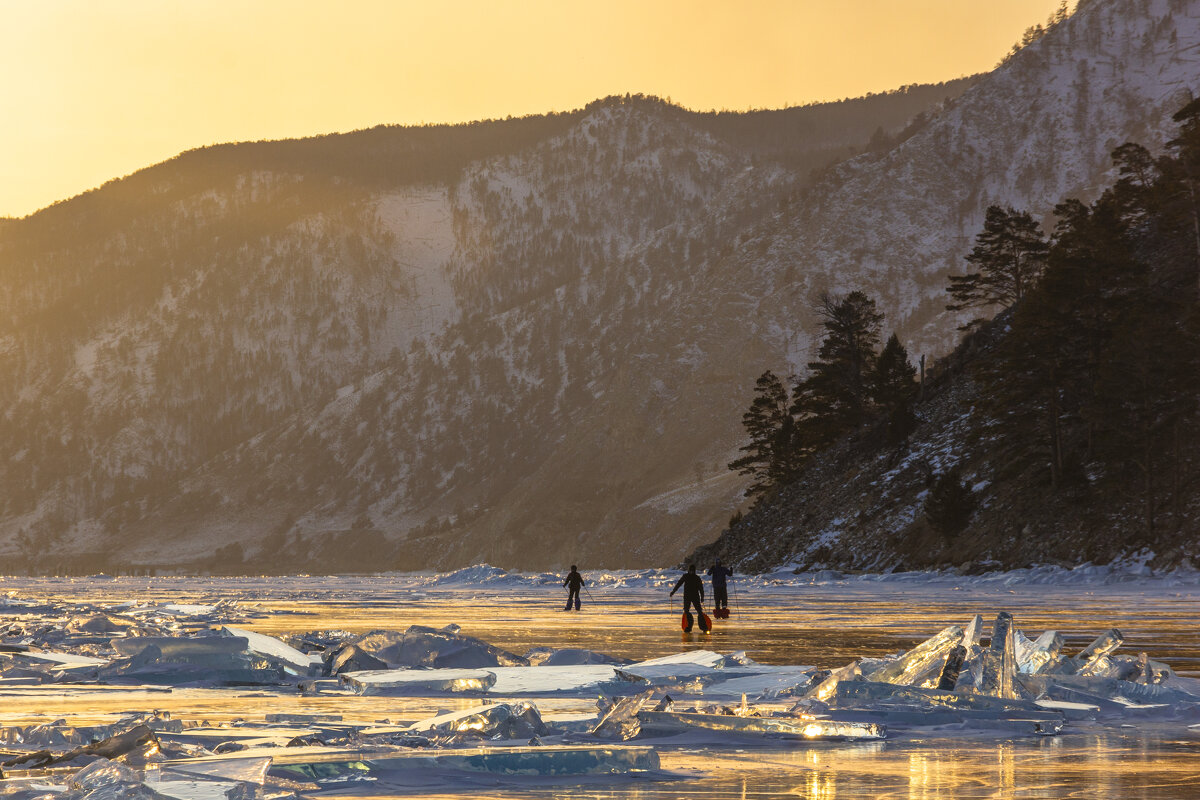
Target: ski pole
x=589, y=593
x=736, y=604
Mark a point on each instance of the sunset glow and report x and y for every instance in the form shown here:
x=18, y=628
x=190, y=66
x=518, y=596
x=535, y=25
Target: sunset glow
x=96, y=90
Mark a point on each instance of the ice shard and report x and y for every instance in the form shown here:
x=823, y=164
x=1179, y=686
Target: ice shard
x=1041, y=654
x=951, y=668
x=973, y=631
x=824, y=690
x=1102, y=646
x=999, y=661
x=621, y=722
x=283, y=655
x=921, y=662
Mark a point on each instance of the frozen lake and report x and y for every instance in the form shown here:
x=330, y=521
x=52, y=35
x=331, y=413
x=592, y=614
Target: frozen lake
x=781, y=620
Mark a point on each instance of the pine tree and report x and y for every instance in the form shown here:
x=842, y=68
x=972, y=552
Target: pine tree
x=894, y=386
x=1009, y=254
x=765, y=423
x=836, y=396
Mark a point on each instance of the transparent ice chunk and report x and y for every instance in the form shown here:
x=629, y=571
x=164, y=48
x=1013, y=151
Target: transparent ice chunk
x=999, y=661
x=621, y=722
x=972, y=632
x=916, y=665
x=825, y=690
x=419, y=646
x=1104, y=644
x=239, y=769
x=499, y=720
x=274, y=650
x=948, y=677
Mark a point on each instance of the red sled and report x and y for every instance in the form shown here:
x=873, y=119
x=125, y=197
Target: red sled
x=686, y=622
x=705, y=622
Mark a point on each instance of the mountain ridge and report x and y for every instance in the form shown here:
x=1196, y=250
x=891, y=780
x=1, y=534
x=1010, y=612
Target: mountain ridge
x=541, y=361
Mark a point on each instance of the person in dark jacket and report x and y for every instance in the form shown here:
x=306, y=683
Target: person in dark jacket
x=574, y=583
x=719, y=574
x=693, y=592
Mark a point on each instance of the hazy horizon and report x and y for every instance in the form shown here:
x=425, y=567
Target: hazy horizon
x=102, y=91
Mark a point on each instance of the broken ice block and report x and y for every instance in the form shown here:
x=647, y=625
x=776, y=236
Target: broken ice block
x=927, y=657
x=677, y=667
x=869, y=694
x=972, y=632
x=351, y=658
x=999, y=661
x=950, y=670
x=276, y=651
x=496, y=721
x=770, y=683
x=1037, y=656
x=824, y=690
x=1102, y=646
x=621, y=721
x=252, y=769
x=203, y=650
x=418, y=681
x=419, y=646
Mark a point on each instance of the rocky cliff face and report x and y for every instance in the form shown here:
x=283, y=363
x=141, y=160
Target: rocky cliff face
x=526, y=342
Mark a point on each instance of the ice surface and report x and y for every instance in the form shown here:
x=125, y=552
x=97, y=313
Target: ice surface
x=670, y=722
x=326, y=764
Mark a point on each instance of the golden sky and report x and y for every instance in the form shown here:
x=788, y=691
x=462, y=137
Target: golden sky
x=95, y=89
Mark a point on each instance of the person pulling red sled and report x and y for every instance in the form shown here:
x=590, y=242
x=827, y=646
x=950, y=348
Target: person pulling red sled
x=720, y=573
x=693, y=594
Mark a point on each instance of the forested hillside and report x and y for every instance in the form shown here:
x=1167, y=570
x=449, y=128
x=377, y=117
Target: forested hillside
x=1065, y=430
x=523, y=341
